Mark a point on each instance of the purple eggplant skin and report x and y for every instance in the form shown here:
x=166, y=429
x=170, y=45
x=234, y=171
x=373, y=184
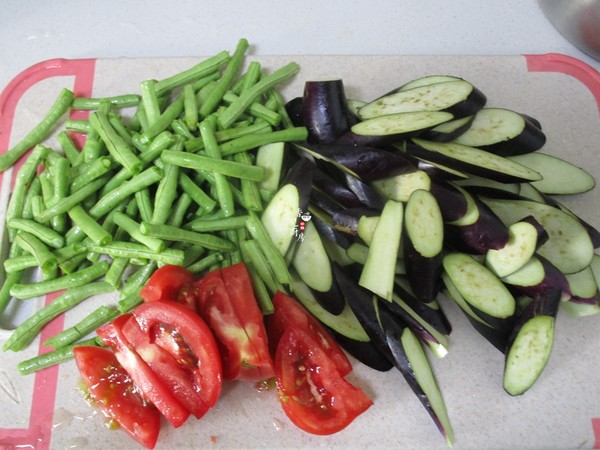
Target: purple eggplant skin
x=379, y=141
x=301, y=175
x=294, y=111
x=443, y=136
x=327, y=231
x=424, y=273
x=497, y=337
x=433, y=315
x=339, y=192
x=535, y=122
x=542, y=233
x=325, y=110
x=347, y=220
x=369, y=197
x=553, y=279
x=435, y=172
x=456, y=164
x=532, y=138
x=365, y=352
x=453, y=202
x=486, y=233
x=368, y=163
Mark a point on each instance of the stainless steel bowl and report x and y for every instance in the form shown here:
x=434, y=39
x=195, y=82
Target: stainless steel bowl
x=578, y=21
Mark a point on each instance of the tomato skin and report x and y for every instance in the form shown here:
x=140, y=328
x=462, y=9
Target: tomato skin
x=142, y=375
x=112, y=389
x=170, y=283
x=303, y=371
x=190, y=342
x=288, y=312
x=225, y=299
x=179, y=379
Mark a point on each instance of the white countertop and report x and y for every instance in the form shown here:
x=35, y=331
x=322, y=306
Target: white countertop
x=36, y=30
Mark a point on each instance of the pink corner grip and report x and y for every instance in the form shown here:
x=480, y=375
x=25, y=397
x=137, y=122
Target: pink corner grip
x=39, y=432
x=555, y=62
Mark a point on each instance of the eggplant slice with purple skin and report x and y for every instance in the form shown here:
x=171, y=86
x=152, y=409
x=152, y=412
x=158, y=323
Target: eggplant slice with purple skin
x=325, y=110
x=398, y=343
x=530, y=344
x=503, y=132
x=458, y=97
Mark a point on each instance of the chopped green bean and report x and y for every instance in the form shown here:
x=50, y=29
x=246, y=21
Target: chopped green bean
x=39, y=132
x=43, y=233
x=250, y=189
x=254, y=257
x=90, y=171
x=257, y=110
x=204, y=201
x=73, y=200
x=150, y=101
x=238, y=107
x=231, y=70
x=10, y=280
x=78, y=279
x=118, y=101
x=164, y=120
x=68, y=147
x=218, y=166
x=144, y=203
x=140, y=181
x=206, y=262
x=130, y=301
x=23, y=179
x=90, y=227
x=19, y=263
x=30, y=327
x=137, y=280
x=176, y=234
x=204, y=225
x=89, y=323
x=179, y=210
x=190, y=107
x=275, y=259
x=200, y=70
x=133, y=229
x=118, y=125
x=114, y=275
x=251, y=141
x=34, y=246
x=60, y=176
x=165, y=195
x=50, y=359
x=134, y=250
x=118, y=148
x=78, y=125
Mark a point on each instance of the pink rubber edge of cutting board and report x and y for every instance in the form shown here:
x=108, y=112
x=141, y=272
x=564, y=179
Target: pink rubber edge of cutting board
x=39, y=432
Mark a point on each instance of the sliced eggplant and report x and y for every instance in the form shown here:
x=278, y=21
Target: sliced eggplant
x=364, y=162
x=280, y=216
x=454, y=201
x=426, y=81
x=559, y=177
x=423, y=244
x=459, y=97
x=479, y=286
x=335, y=190
x=400, y=187
x=294, y=110
x=583, y=287
x=325, y=110
x=495, y=336
x=503, y=132
x=479, y=231
x=379, y=270
x=395, y=339
x=530, y=344
x=522, y=243
x=438, y=172
x=431, y=312
x=367, y=194
x=536, y=276
x=365, y=352
x=569, y=246
x=390, y=128
x=448, y=131
x=344, y=323
x=473, y=160
x=482, y=186
x=270, y=156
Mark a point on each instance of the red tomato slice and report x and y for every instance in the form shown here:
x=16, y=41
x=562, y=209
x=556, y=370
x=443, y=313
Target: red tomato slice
x=180, y=379
x=188, y=339
x=226, y=301
x=142, y=375
x=288, y=312
x=170, y=283
x=112, y=389
x=313, y=394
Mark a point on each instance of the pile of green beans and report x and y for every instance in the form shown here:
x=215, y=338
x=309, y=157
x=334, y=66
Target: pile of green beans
x=166, y=176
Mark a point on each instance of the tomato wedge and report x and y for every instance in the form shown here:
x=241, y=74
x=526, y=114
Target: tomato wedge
x=288, y=312
x=142, y=375
x=112, y=389
x=180, y=379
x=170, y=283
x=313, y=394
x=187, y=338
x=225, y=299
